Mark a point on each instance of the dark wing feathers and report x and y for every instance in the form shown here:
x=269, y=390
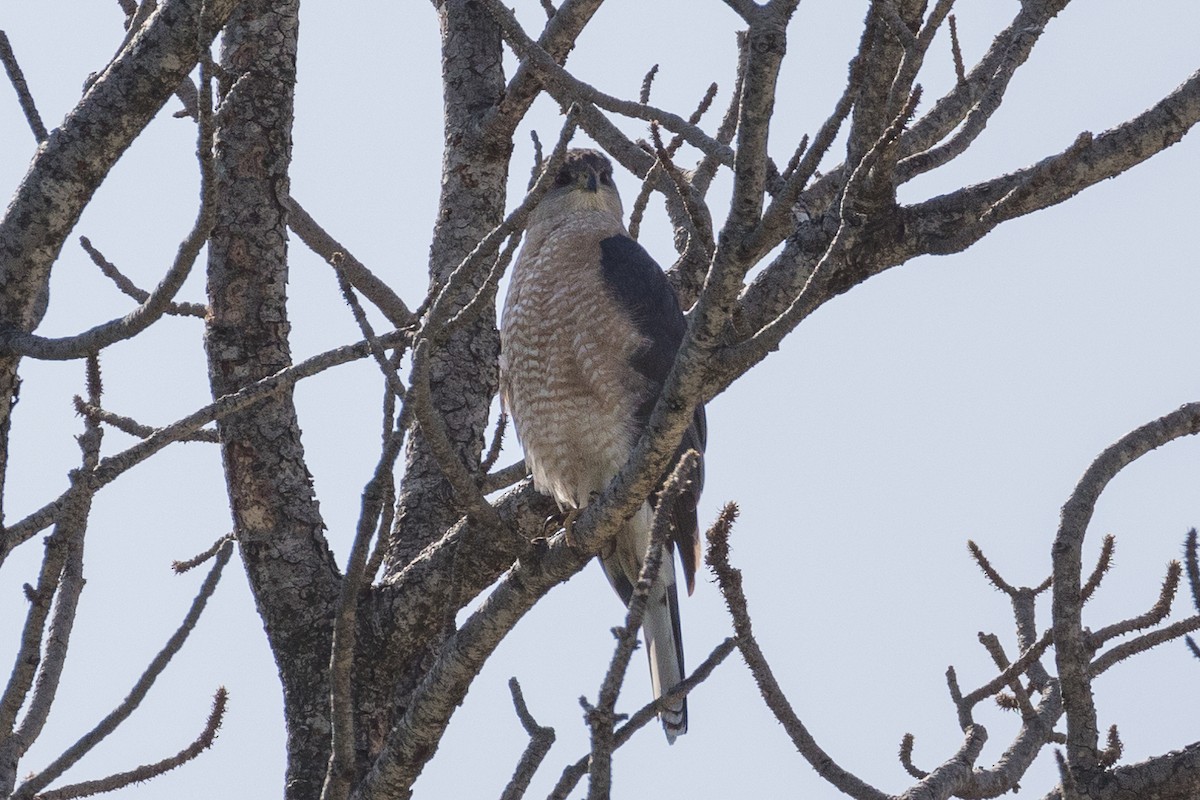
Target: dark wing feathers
x=642, y=291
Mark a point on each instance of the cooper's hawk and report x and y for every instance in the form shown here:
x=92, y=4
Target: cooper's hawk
x=590, y=330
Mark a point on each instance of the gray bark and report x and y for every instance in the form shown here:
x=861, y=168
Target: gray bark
x=279, y=528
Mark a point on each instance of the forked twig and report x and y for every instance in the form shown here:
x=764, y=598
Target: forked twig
x=574, y=772
x=541, y=738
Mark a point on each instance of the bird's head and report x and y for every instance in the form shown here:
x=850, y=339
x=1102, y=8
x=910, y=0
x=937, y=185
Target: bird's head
x=584, y=182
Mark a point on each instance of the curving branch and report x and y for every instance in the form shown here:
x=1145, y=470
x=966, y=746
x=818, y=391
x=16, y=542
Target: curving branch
x=1073, y=650
x=130, y=288
x=729, y=580
x=144, y=773
x=156, y=303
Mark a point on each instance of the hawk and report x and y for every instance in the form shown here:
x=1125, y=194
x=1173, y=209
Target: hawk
x=589, y=332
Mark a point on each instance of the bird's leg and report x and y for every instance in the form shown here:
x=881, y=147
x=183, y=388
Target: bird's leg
x=568, y=525
x=564, y=519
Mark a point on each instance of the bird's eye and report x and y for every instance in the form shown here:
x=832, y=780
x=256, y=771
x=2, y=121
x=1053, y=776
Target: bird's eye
x=563, y=179
x=606, y=177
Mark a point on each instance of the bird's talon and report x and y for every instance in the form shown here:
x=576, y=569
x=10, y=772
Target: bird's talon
x=568, y=525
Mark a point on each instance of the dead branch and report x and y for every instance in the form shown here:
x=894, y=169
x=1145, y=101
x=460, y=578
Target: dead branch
x=144, y=773
x=647, y=713
x=132, y=426
x=24, y=97
x=541, y=738
x=112, y=467
x=131, y=289
x=602, y=716
x=729, y=580
x=1073, y=652
x=17, y=342
x=359, y=276
x=34, y=784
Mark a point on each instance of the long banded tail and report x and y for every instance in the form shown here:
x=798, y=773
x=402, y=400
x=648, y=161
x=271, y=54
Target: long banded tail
x=664, y=646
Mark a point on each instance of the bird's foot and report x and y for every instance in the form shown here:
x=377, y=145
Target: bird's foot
x=563, y=519
x=568, y=526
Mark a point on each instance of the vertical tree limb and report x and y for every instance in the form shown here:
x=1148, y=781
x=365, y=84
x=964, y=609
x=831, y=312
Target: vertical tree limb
x=276, y=520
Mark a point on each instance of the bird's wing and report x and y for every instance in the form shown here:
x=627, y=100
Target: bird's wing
x=639, y=287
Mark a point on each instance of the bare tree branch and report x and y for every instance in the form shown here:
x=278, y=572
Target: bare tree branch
x=729, y=580
x=361, y=278
x=541, y=738
x=106, y=726
x=1073, y=653
x=647, y=713
x=128, y=287
x=144, y=773
x=17, y=78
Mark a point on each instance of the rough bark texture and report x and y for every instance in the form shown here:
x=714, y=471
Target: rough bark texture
x=474, y=176
x=463, y=373
x=278, y=525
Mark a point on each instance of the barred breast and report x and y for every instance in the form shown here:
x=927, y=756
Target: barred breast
x=565, y=376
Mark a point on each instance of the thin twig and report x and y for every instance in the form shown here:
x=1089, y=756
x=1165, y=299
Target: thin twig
x=647, y=82
x=493, y=453
x=1014, y=670
x=601, y=717
x=729, y=580
x=1143, y=643
x=364, y=325
x=1156, y=614
x=1192, y=561
x=992, y=644
x=956, y=52
x=359, y=276
x=541, y=738
x=180, y=567
x=567, y=89
x=133, y=427
x=37, y=782
x=1103, y=563
x=646, y=714
x=133, y=290
x=17, y=77
x=145, y=773
x=689, y=196
x=340, y=774
x=906, y=749
x=992, y=575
